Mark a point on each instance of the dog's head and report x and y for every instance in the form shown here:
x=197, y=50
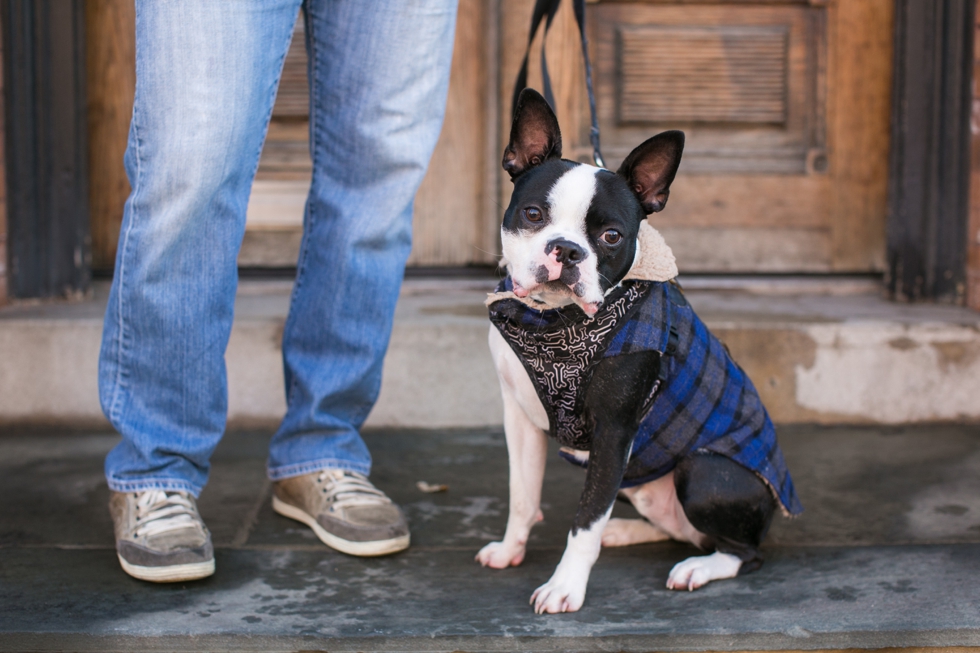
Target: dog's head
x=569, y=234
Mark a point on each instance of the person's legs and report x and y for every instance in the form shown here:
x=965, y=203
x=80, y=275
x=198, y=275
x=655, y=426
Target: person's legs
x=206, y=77
x=378, y=82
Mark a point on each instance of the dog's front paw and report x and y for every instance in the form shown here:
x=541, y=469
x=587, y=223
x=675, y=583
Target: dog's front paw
x=700, y=570
x=500, y=555
x=560, y=594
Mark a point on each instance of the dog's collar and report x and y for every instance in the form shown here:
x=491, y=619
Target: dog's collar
x=654, y=261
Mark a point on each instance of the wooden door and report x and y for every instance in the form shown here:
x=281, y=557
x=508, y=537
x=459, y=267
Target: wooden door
x=785, y=104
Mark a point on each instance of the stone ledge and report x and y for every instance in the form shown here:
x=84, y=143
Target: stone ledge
x=819, y=351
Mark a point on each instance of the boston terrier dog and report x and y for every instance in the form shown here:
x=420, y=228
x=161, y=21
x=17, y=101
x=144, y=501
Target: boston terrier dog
x=596, y=346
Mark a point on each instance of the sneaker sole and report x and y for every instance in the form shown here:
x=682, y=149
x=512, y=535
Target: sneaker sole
x=170, y=573
x=362, y=549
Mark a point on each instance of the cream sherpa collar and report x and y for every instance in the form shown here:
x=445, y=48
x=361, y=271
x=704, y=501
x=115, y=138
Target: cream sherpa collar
x=654, y=262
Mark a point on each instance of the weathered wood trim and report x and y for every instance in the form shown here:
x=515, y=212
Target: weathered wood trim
x=3, y=189
x=449, y=226
x=46, y=147
x=930, y=157
x=973, y=232
x=110, y=44
x=489, y=231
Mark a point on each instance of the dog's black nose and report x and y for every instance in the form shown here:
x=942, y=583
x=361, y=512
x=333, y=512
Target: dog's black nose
x=566, y=252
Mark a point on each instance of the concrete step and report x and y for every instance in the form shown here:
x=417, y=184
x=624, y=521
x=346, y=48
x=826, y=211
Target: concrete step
x=886, y=554
x=824, y=350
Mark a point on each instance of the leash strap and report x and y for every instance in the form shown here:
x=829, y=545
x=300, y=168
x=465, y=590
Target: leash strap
x=594, y=131
x=545, y=10
x=542, y=8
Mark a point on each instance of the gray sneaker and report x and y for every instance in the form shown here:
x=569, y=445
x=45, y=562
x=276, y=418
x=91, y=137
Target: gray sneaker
x=160, y=536
x=345, y=511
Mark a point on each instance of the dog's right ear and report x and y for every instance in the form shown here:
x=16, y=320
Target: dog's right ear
x=534, y=136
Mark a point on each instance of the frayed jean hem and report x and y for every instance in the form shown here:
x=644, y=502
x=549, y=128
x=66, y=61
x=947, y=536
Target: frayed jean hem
x=289, y=471
x=166, y=484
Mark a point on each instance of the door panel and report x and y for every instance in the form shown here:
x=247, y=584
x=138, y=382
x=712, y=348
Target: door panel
x=744, y=82
x=785, y=104
x=777, y=101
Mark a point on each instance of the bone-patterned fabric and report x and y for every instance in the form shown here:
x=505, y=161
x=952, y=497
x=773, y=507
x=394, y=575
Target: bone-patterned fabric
x=706, y=402
x=560, y=349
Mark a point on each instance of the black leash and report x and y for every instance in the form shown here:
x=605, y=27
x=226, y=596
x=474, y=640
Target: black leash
x=594, y=131
x=547, y=9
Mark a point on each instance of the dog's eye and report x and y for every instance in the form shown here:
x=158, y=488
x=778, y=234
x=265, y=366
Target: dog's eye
x=532, y=214
x=612, y=237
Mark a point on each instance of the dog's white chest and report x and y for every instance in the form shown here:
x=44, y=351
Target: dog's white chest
x=515, y=381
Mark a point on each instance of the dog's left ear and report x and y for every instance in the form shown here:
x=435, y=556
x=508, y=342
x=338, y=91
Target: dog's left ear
x=534, y=136
x=650, y=169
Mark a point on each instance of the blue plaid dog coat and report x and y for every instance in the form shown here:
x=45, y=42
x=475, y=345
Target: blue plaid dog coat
x=703, y=400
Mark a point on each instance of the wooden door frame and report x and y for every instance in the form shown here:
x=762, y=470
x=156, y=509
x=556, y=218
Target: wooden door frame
x=929, y=176
x=3, y=186
x=46, y=148
x=973, y=230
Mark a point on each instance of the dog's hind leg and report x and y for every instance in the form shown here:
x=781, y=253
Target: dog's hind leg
x=657, y=502
x=626, y=532
x=698, y=571
x=732, y=506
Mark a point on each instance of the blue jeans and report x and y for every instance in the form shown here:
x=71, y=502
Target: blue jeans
x=206, y=79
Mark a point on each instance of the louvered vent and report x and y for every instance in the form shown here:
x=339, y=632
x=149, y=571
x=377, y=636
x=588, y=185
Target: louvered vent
x=694, y=74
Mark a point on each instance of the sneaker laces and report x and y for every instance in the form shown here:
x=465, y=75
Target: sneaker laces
x=345, y=488
x=159, y=512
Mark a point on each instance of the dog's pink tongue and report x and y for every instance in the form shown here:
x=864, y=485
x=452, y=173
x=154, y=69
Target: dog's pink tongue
x=591, y=308
x=519, y=290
